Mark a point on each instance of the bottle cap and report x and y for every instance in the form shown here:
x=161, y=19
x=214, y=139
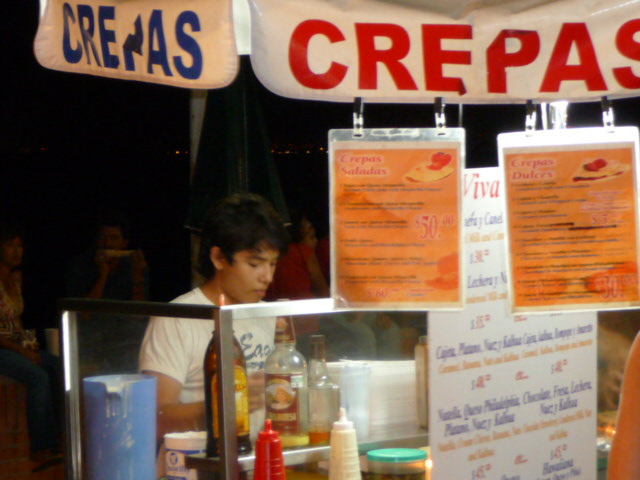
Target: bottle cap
x=342, y=423
x=285, y=332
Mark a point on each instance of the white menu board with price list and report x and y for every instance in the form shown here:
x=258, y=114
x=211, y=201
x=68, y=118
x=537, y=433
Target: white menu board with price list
x=511, y=397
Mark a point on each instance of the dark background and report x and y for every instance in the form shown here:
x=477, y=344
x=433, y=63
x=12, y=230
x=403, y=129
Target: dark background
x=72, y=144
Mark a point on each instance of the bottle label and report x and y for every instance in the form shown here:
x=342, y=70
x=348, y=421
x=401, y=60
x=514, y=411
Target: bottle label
x=282, y=402
x=242, y=402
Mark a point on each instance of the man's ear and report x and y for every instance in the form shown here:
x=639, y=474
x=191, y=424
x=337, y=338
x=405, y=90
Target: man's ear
x=217, y=258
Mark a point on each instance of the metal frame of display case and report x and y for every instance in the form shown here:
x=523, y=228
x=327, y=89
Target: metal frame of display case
x=228, y=464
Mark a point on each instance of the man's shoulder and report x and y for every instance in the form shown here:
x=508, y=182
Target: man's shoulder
x=194, y=297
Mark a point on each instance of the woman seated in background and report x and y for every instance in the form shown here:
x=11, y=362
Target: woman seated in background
x=20, y=358
x=298, y=274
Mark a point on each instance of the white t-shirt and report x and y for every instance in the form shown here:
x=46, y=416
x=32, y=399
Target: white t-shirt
x=176, y=346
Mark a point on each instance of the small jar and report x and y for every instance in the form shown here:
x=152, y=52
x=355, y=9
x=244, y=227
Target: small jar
x=396, y=464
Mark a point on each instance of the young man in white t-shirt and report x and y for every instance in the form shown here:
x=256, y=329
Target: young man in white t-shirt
x=242, y=239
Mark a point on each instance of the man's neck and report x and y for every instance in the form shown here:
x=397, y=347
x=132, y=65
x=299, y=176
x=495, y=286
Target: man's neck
x=212, y=290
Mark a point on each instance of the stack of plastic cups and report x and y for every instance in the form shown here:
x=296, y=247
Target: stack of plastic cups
x=269, y=464
x=344, y=463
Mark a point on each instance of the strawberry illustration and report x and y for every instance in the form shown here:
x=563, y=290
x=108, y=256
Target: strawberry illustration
x=596, y=165
x=439, y=160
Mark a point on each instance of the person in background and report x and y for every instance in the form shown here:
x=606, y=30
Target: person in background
x=323, y=252
x=109, y=269
x=21, y=358
x=242, y=239
x=299, y=275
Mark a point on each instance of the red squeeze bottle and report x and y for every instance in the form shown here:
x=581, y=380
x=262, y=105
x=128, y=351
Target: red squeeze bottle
x=269, y=463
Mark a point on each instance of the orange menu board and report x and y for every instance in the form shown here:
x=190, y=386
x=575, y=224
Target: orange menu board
x=572, y=219
x=396, y=219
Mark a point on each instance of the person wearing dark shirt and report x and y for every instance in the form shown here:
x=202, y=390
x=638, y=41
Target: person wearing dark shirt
x=109, y=270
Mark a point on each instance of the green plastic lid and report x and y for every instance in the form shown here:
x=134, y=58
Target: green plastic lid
x=396, y=455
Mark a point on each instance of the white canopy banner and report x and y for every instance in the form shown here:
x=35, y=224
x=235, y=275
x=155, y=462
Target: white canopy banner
x=188, y=44
x=463, y=51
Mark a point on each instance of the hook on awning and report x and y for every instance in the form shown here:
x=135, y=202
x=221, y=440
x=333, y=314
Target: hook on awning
x=438, y=110
x=607, y=113
x=358, y=117
x=530, y=121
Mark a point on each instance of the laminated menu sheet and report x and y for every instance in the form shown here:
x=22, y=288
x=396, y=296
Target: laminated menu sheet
x=511, y=396
x=395, y=218
x=572, y=218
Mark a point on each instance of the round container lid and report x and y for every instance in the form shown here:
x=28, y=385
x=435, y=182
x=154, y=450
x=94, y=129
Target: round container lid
x=396, y=455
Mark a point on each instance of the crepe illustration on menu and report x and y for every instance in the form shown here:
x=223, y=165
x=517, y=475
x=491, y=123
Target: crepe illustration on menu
x=598, y=170
x=437, y=168
x=448, y=271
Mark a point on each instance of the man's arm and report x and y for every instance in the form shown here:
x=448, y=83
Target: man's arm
x=139, y=276
x=174, y=416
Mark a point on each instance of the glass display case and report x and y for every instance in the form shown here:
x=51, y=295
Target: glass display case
x=104, y=337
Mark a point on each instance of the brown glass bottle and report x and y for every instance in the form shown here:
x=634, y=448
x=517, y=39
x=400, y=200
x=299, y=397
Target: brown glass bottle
x=212, y=403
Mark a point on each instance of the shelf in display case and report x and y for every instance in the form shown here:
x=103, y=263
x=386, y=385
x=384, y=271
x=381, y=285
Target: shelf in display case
x=382, y=436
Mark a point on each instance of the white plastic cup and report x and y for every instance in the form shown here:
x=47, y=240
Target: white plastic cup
x=179, y=445
x=52, y=340
x=355, y=395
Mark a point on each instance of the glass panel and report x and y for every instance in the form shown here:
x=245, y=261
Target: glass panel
x=363, y=335
x=104, y=338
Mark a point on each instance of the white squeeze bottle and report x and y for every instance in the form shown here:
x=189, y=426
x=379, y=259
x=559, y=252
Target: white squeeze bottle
x=344, y=463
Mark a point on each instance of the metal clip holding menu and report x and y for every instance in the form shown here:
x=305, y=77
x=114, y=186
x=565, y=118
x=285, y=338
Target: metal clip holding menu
x=572, y=218
x=396, y=218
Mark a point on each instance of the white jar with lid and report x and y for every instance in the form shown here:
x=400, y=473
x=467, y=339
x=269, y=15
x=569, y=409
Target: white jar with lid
x=396, y=464
x=179, y=445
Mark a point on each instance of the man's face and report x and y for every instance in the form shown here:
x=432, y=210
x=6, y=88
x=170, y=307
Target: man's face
x=111, y=238
x=247, y=278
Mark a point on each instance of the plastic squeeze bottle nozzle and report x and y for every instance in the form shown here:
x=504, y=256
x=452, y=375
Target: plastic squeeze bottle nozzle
x=344, y=463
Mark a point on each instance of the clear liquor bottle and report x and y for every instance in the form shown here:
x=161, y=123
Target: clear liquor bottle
x=324, y=394
x=286, y=395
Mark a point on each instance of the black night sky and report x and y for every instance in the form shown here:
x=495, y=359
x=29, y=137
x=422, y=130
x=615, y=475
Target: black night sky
x=71, y=144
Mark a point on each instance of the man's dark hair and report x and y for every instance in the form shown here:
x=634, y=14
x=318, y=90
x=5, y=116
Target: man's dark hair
x=9, y=231
x=242, y=221
x=113, y=218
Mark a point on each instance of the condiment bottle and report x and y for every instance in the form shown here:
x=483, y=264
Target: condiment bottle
x=422, y=381
x=324, y=395
x=344, y=463
x=286, y=396
x=269, y=463
x=212, y=402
